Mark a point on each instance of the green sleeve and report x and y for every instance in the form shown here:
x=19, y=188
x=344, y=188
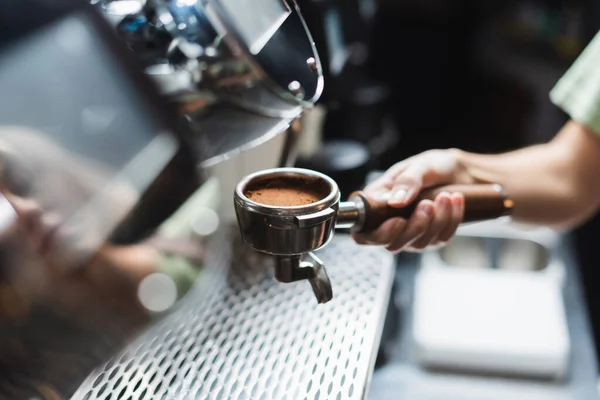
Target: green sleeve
x=578, y=92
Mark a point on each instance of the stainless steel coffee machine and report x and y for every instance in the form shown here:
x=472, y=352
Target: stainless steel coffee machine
x=239, y=73
x=226, y=76
x=260, y=57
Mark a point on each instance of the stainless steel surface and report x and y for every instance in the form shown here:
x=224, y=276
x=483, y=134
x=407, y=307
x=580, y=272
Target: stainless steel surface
x=320, y=282
x=116, y=10
x=229, y=131
x=259, y=55
x=286, y=230
x=351, y=214
x=291, y=148
x=295, y=268
x=501, y=245
x=250, y=337
x=503, y=253
x=287, y=269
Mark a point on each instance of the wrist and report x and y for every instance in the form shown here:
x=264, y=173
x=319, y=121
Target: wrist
x=465, y=170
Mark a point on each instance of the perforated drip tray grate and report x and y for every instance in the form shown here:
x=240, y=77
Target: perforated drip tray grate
x=255, y=338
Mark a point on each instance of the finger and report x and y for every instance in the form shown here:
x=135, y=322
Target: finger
x=359, y=239
x=386, y=233
x=417, y=225
x=442, y=216
x=458, y=209
x=378, y=185
x=396, y=169
x=407, y=186
x=386, y=181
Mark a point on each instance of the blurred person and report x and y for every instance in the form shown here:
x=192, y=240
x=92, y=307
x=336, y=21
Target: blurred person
x=39, y=260
x=555, y=184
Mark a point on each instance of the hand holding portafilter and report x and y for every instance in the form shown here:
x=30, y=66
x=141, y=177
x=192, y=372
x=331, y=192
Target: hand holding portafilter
x=291, y=212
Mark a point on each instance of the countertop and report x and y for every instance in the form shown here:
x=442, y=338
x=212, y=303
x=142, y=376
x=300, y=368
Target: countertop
x=401, y=378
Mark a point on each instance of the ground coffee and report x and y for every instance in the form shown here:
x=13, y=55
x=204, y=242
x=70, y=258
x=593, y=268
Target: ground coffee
x=286, y=193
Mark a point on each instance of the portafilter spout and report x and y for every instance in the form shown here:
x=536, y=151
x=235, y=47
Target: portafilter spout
x=310, y=267
x=291, y=212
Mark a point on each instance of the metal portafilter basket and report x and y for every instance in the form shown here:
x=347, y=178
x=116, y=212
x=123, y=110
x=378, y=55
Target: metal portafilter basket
x=291, y=233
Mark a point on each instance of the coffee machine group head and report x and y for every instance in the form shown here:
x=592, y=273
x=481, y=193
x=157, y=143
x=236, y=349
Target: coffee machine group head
x=258, y=54
x=291, y=212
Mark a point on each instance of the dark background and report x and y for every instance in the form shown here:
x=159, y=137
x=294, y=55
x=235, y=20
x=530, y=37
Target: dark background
x=404, y=76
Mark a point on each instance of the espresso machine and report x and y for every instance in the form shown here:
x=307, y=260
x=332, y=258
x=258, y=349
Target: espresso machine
x=240, y=81
x=162, y=96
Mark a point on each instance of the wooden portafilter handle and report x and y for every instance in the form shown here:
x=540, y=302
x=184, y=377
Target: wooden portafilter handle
x=482, y=202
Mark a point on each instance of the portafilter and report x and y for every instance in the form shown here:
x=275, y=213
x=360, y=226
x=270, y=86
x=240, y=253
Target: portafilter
x=292, y=232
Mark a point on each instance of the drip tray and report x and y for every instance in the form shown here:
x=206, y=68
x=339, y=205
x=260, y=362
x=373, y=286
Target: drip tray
x=255, y=338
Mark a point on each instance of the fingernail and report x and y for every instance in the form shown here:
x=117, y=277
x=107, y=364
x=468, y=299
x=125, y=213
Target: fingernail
x=443, y=198
x=426, y=208
x=382, y=196
x=458, y=198
x=399, y=196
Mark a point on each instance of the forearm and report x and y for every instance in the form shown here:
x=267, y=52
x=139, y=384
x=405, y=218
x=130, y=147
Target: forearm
x=554, y=184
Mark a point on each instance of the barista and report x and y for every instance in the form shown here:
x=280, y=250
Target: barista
x=553, y=184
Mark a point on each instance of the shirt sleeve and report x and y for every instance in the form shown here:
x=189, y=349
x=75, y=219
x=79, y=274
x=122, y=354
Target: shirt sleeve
x=578, y=92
